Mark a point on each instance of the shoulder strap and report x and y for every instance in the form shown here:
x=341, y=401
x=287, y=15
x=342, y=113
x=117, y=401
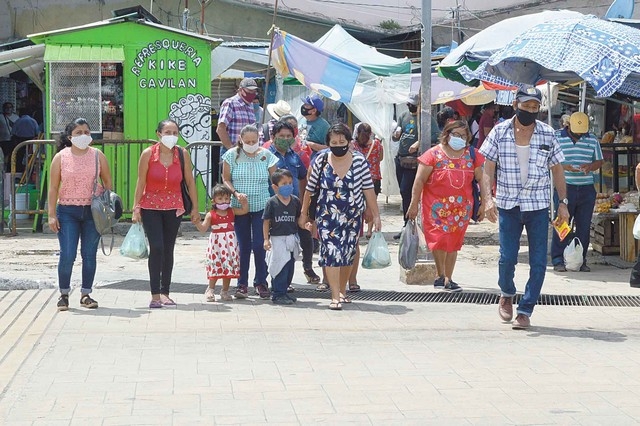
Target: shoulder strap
x=373, y=142
x=181, y=156
x=323, y=163
x=110, y=245
x=472, y=152
x=95, y=181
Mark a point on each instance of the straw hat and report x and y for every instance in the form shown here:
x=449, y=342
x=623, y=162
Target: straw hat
x=279, y=109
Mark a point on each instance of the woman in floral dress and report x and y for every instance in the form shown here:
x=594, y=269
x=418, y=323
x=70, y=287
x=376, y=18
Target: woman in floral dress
x=345, y=189
x=444, y=184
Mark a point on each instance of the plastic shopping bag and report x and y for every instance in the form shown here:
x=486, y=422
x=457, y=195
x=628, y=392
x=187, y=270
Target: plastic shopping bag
x=409, y=244
x=636, y=228
x=377, y=255
x=573, y=255
x=135, y=243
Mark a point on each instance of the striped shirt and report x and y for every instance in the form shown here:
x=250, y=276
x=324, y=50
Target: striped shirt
x=358, y=177
x=500, y=148
x=586, y=150
x=250, y=176
x=235, y=113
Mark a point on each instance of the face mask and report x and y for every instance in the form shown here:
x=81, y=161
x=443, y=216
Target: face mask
x=456, y=143
x=526, y=118
x=286, y=190
x=248, y=96
x=576, y=136
x=222, y=206
x=413, y=108
x=81, y=141
x=250, y=149
x=304, y=111
x=283, y=144
x=169, y=141
x=340, y=151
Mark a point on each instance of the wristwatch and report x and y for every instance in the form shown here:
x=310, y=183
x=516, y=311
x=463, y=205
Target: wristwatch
x=565, y=201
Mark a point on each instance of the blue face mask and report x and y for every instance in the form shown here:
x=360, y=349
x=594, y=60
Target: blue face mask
x=286, y=190
x=457, y=143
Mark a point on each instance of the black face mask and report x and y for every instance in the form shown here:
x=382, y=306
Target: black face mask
x=576, y=136
x=413, y=108
x=339, y=151
x=305, y=112
x=526, y=118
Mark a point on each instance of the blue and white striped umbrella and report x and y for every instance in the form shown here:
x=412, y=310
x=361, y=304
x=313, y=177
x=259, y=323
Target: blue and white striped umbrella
x=605, y=54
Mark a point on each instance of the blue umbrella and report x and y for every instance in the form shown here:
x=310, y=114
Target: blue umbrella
x=604, y=54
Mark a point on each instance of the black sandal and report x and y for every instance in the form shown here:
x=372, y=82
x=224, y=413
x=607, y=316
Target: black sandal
x=63, y=302
x=87, y=302
x=354, y=288
x=311, y=276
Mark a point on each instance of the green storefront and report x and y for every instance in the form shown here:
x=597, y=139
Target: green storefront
x=124, y=76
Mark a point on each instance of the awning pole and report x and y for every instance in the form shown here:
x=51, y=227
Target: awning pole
x=268, y=75
x=425, y=97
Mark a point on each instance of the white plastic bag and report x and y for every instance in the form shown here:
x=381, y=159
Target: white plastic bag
x=636, y=228
x=573, y=255
x=135, y=243
x=377, y=255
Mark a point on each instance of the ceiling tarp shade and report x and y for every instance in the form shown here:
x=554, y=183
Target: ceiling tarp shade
x=73, y=53
x=341, y=43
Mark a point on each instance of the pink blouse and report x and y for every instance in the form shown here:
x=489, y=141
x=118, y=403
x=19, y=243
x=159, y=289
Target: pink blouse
x=77, y=175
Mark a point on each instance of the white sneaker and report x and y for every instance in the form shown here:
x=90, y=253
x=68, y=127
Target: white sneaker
x=210, y=295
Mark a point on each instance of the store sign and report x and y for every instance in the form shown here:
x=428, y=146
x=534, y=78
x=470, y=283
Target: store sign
x=145, y=62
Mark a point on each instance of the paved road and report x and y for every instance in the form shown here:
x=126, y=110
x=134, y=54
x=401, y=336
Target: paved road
x=249, y=362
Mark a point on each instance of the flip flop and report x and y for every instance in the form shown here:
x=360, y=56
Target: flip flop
x=345, y=299
x=335, y=306
x=168, y=302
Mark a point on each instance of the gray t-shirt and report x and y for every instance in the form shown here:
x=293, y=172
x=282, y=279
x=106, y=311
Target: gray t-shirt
x=283, y=217
x=408, y=124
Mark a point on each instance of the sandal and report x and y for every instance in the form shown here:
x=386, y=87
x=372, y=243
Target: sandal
x=354, y=287
x=311, y=276
x=323, y=287
x=345, y=299
x=88, y=302
x=335, y=306
x=166, y=300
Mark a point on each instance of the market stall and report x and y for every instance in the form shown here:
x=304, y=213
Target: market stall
x=125, y=75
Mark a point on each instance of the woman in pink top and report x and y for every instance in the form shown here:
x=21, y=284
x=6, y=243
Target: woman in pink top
x=158, y=204
x=72, y=175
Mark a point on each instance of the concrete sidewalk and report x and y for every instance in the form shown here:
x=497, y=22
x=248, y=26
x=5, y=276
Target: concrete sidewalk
x=250, y=362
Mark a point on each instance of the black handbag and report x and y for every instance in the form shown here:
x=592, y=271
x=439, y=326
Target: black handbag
x=313, y=205
x=186, y=199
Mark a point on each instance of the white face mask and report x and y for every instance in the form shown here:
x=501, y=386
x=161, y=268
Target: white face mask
x=250, y=149
x=169, y=141
x=81, y=141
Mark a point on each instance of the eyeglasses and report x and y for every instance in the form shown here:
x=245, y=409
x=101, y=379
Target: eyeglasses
x=458, y=135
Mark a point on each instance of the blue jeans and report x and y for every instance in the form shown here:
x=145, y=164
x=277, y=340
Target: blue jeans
x=511, y=223
x=282, y=281
x=249, y=233
x=76, y=223
x=581, y=198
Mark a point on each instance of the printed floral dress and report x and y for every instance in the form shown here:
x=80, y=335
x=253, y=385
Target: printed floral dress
x=447, y=200
x=340, y=208
x=222, y=254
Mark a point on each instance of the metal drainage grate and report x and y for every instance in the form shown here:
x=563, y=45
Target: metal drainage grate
x=479, y=298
